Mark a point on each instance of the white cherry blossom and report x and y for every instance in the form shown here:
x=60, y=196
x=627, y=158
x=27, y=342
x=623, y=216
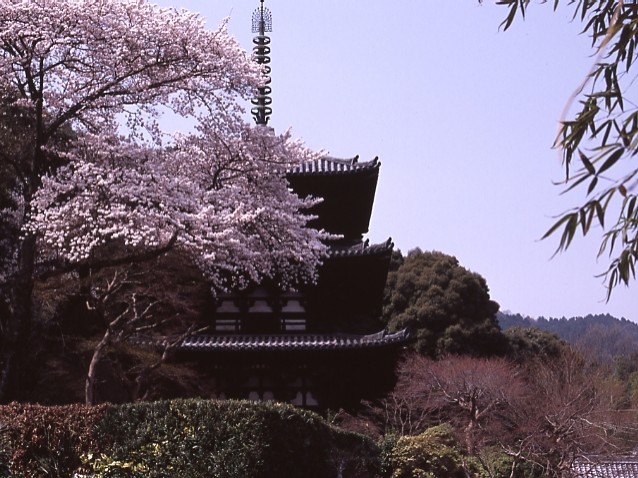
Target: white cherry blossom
x=72, y=72
x=217, y=192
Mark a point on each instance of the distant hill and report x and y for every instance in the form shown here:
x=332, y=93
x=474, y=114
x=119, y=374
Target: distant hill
x=603, y=335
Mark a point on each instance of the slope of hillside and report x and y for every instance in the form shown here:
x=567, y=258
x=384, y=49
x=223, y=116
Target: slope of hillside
x=604, y=335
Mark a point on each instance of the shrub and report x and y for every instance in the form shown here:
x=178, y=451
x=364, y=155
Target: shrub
x=183, y=438
x=387, y=444
x=48, y=441
x=432, y=454
x=5, y=451
x=196, y=438
x=499, y=464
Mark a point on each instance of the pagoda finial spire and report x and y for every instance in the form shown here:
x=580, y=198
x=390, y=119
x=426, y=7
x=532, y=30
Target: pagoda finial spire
x=262, y=23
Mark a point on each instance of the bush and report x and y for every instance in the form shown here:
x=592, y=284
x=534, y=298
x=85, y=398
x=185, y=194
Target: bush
x=48, y=441
x=198, y=438
x=432, y=454
x=499, y=465
x=387, y=444
x=5, y=451
x=183, y=438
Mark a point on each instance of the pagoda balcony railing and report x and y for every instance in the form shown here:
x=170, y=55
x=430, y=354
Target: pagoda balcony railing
x=260, y=312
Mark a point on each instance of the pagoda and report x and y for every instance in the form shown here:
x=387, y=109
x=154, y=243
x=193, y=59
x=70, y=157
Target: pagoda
x=323, y=345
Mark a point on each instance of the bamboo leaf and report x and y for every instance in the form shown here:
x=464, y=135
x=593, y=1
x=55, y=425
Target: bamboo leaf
x=576, y=181
x=568, y=232
x=505, y=24
x=613, y=280
x=631, y=206
x=600, y=213
x=557, y=225
x=611, y=160
x=587, y=163
x=602, y=133
x=623, y=190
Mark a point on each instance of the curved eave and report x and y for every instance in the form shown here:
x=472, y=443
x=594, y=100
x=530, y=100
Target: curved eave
x=362, y=249
x=292, y=342
x=328, y=166
x=347, y=191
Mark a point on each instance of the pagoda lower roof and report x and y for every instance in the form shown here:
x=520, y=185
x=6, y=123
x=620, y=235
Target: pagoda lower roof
x=330, y=165
x=291, y=342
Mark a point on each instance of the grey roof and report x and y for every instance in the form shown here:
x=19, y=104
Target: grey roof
x=618, y=467
x=288, y=342
x=330, y=165
x=360, y=249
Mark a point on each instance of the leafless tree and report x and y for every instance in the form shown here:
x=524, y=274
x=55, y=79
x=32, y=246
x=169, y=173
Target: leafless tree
x=571, y=411
x=130, y=310
x=471, y=393
x=546, y=413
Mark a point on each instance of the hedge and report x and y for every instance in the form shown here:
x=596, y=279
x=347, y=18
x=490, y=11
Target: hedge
x=181, y=438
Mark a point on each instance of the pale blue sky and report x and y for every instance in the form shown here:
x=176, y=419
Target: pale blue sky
x=462, y=117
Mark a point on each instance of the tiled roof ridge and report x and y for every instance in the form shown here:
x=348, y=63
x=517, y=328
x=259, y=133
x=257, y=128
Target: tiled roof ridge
x=331, y=165
x=271, y=342
x=629, y=458
x=363, y=248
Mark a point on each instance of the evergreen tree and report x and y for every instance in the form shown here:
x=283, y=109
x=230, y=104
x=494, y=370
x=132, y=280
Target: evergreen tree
x=447, y=307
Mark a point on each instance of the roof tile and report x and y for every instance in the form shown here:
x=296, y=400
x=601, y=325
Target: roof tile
x=330, y=165
x=274, y=342
x=621, y=467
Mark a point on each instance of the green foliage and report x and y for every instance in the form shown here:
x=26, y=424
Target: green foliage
x=198, y=438
x=187, y=438
x=528, y=343
x=601, y=337
x=221, y=439
x=571, y=329
x=499, y=464
x=432, y=454
x=626, y=371
x=387, y=444
x=447, y=307
x=632, y=390
x=600, y=141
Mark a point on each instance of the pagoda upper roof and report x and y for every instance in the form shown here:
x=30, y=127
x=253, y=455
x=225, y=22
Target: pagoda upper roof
x=363, y=248
x=289, y=342
x=346, y=187
x=331, y=165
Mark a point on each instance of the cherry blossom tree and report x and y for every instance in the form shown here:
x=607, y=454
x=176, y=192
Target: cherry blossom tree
x=78, y=71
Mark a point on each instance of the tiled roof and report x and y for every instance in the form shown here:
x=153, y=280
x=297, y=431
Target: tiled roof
x=329, y=165
x=361, y=249
x=619, y=467
x=273, y=342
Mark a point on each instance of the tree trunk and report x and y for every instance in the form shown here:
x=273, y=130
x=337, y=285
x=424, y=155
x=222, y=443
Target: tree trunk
x=91, y=376
x=468, y=433
x=15, y=334
x=472, y=423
